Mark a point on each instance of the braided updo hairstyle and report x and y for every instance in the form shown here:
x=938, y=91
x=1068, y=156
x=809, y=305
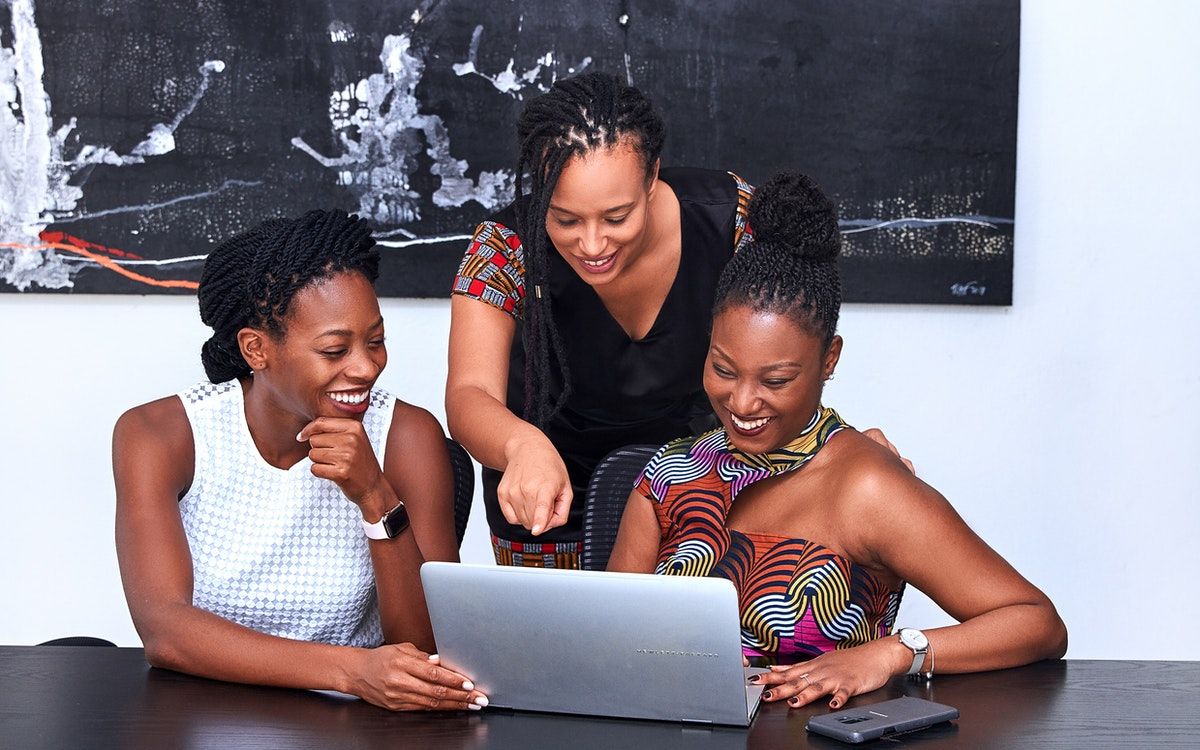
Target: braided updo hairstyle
x=250, y=279
x=791, y=267
x=577, y=115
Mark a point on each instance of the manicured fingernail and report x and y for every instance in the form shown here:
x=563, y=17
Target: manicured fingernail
x=754, y=678
x=834, y=704
x=537, y=529
x=473, y=707
x=794, y=701
x=468, y=685
x=298, y=438
x=481, y=700
x=766, y=695
x=433, y=657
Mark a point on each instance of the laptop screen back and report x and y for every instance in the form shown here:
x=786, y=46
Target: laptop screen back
x=584, y=642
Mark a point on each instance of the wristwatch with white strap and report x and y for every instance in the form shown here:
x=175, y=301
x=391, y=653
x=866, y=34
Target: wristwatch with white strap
x=393, y=523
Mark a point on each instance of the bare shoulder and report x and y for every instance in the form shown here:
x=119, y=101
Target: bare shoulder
x=414, y=437
x=153, y=450
x=873, y=481
x=161, y=421
x=414, y=424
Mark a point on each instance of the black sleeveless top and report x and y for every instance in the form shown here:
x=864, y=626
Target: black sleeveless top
x=623, y=391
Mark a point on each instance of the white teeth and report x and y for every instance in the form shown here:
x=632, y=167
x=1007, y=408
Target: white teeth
x=349, y=398
x=751, y=425
x=597, y=263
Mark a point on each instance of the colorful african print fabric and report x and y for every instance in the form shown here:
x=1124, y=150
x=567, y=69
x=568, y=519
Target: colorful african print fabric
x=797, y=598
x=493, y=268
x=561, y=555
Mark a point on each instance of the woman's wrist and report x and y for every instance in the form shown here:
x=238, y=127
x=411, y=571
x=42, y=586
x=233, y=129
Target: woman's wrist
x=520, y=440
x=346, y=668
x=899, y=657
x=377, y=500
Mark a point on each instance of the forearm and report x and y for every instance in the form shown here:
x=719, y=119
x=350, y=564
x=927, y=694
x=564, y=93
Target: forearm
x=402, y=609
x=1009, y=636
x=397, y=567
x=485, y=426
x=188, y=639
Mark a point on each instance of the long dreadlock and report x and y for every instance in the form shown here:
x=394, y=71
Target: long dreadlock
x=249, y=280
x=577, y=115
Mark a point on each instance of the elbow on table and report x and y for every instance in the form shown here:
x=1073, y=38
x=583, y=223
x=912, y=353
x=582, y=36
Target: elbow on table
x=1058, y=639
x=1054, y=633
x=163, y=652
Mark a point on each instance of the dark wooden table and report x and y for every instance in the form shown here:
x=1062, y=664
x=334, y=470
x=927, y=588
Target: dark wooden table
x=73, y=697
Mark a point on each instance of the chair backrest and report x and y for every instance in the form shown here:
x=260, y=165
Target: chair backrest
x=609, y=488
x=79, y=640
x=464, y=486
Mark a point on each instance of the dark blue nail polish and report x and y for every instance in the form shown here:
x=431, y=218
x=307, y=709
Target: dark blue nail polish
x=754, y=678
x=766, y=695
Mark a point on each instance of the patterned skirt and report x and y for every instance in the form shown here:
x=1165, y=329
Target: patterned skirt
x=562, y=555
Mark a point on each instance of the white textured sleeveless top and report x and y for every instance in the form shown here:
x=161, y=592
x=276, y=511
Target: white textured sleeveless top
x=277, y=550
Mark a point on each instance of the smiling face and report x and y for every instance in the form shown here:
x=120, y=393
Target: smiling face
x=331, y=352
x=599, y=210
x=764, y=375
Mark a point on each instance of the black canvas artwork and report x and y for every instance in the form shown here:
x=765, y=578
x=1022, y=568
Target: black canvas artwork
x=135, y=134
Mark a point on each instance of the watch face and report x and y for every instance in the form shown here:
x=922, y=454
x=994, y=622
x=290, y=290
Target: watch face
x=914, y=639
x=396, y=521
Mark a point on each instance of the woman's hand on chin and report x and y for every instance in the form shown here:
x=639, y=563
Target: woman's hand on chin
x=341, y=452
x=404, y=678
x=839, y=674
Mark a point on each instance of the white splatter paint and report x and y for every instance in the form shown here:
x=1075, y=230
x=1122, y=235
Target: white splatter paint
x=871, y=225
x=509, y=81
x=423, y=240
x=139, y=208
x=381, y=128
x=35, y=176
x=929, y=224
x=340, y=32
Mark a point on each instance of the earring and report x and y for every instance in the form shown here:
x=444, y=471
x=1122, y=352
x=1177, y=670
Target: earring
x=829, y=378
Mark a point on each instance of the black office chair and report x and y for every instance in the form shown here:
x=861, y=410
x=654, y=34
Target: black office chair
x=607, y=492
x=79, y=640
x=464, y=486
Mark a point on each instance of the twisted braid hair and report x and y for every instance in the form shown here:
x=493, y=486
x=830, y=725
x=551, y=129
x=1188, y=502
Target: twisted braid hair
x=578, y=114
x=250, y=279
x=791, y=267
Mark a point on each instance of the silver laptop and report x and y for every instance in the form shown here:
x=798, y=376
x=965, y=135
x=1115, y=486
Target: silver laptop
x=584, y=642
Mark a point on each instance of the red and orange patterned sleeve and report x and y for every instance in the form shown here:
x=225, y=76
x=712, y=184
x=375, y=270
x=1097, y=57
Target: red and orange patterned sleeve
x=493, y=269
x=743, y=233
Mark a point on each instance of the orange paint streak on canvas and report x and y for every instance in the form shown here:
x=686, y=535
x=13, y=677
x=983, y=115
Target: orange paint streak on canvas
x=70, y=239
x=106, y=262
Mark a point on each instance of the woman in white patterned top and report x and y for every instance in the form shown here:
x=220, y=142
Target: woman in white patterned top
x=244, y=504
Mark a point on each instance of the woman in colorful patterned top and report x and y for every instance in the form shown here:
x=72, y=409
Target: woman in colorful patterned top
x=245, y=503
x=818, y=527
x=579, y=314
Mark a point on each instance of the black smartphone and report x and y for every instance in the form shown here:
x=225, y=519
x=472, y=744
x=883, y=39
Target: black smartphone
x=863, y=723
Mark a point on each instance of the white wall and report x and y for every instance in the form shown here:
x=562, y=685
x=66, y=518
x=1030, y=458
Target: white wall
x=1063, y=428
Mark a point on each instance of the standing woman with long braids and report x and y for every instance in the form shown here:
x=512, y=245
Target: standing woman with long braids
x=245, y=503
x=579, y=314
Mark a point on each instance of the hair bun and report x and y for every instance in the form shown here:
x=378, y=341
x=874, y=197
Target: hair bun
x=791, y=210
